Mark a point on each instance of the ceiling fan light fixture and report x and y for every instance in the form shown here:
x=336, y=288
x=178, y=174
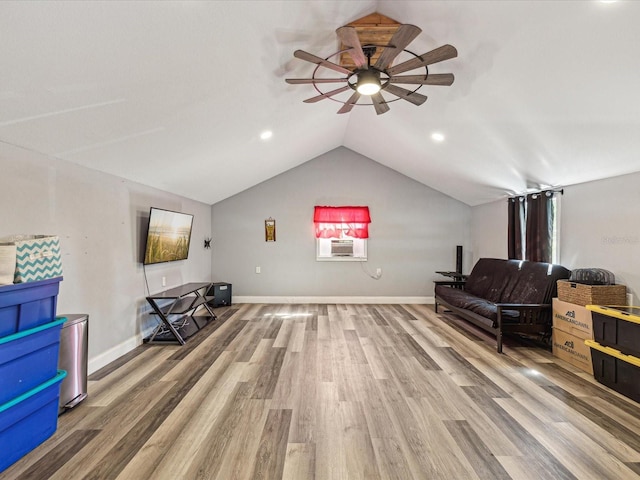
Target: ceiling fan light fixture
x=369, y=79
x=368, y=82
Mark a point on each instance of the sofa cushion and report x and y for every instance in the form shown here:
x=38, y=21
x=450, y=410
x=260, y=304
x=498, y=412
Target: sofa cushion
x=489, y=278
x=534, y=282
x=461, y=299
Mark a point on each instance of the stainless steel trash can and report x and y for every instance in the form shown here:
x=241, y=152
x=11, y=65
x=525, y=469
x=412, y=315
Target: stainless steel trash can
x=74, y=346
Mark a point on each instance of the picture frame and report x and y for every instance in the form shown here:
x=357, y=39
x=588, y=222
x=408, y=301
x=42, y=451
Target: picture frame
x=270, y=230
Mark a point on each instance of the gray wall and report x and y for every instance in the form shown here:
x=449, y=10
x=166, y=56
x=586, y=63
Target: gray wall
x=489, y=231
x=598, y=228
x=100, y=220
x=414, y=232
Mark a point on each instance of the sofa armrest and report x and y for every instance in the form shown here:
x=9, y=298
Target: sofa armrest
x=530, y=313
x=531, y=319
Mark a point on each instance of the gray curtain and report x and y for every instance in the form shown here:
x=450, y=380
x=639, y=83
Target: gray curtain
x=539, y=230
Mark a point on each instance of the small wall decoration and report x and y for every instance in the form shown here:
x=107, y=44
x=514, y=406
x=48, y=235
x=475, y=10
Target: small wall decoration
x=270, y=230
x=207, y=242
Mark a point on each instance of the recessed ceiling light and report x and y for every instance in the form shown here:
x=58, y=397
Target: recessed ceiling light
x=267, y=134
x=437, y=137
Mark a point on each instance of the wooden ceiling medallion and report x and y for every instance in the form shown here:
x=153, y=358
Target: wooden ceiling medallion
x=374, y=29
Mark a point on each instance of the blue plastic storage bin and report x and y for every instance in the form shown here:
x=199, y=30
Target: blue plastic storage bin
x=27, y=305
x=28, y=420
x=28, y=358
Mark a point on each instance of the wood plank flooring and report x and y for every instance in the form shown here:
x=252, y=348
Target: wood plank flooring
x=327, y=392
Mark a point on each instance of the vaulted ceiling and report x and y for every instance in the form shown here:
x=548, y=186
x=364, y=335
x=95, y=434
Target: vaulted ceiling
x=175, y=95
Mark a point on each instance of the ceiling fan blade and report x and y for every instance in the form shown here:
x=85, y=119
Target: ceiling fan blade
x=434, y=56
x=346, y=108
x=379, y=104
x=349, y=38
x=309, y=57
x=408, y=95
x=403, y=37
x=298, y=81
x=444, y=79
x=327, y=94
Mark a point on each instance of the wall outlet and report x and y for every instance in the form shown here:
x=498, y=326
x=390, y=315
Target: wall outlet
x=164, y=281
x=378, y=272
x=258, y=270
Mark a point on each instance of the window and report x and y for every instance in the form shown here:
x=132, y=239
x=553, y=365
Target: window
x=343, y=249
x=341, y=233
x=534, y=227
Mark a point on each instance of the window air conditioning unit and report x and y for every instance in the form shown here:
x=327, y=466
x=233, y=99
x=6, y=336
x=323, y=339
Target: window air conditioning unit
x=342, y=248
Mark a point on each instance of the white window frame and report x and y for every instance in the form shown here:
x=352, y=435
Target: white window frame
x=323, y=249
x=555, y=244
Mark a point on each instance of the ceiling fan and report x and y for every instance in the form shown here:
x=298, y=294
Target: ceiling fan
x=373, y=80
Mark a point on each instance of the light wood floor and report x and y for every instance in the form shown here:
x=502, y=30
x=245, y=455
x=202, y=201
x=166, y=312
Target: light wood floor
x=341, y=392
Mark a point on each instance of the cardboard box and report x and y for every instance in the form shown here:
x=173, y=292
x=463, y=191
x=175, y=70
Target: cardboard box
x=573, y=319
x=572, y=349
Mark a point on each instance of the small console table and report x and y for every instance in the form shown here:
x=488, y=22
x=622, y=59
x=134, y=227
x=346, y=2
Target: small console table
x=176, y=307
x=457, y=276
x=458, y=279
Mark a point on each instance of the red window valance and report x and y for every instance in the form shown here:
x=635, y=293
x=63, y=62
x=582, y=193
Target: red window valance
x=330, y=222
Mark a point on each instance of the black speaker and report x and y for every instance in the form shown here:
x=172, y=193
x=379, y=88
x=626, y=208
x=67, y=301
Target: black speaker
x=459, y=259
x=221, y=293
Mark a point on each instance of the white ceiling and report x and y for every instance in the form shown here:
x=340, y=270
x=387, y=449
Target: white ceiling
x=175, y=94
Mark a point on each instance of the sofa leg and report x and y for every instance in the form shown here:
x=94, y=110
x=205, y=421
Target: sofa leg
x=436, y=307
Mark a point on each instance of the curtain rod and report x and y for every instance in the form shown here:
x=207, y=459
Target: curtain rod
x=553, y=190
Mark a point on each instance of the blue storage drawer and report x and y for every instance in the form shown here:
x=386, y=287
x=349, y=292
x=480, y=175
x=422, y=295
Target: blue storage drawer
x=28, y=358
x=28, y=420
x=27, y=305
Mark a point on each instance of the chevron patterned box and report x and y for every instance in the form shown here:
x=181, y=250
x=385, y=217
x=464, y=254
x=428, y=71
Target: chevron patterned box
x=37, y=258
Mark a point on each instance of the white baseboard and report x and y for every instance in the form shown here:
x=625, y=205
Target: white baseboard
x=96, y=363
x=353, y=300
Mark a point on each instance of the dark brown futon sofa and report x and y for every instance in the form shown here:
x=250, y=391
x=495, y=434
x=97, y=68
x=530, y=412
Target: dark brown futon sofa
x=504, y=296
